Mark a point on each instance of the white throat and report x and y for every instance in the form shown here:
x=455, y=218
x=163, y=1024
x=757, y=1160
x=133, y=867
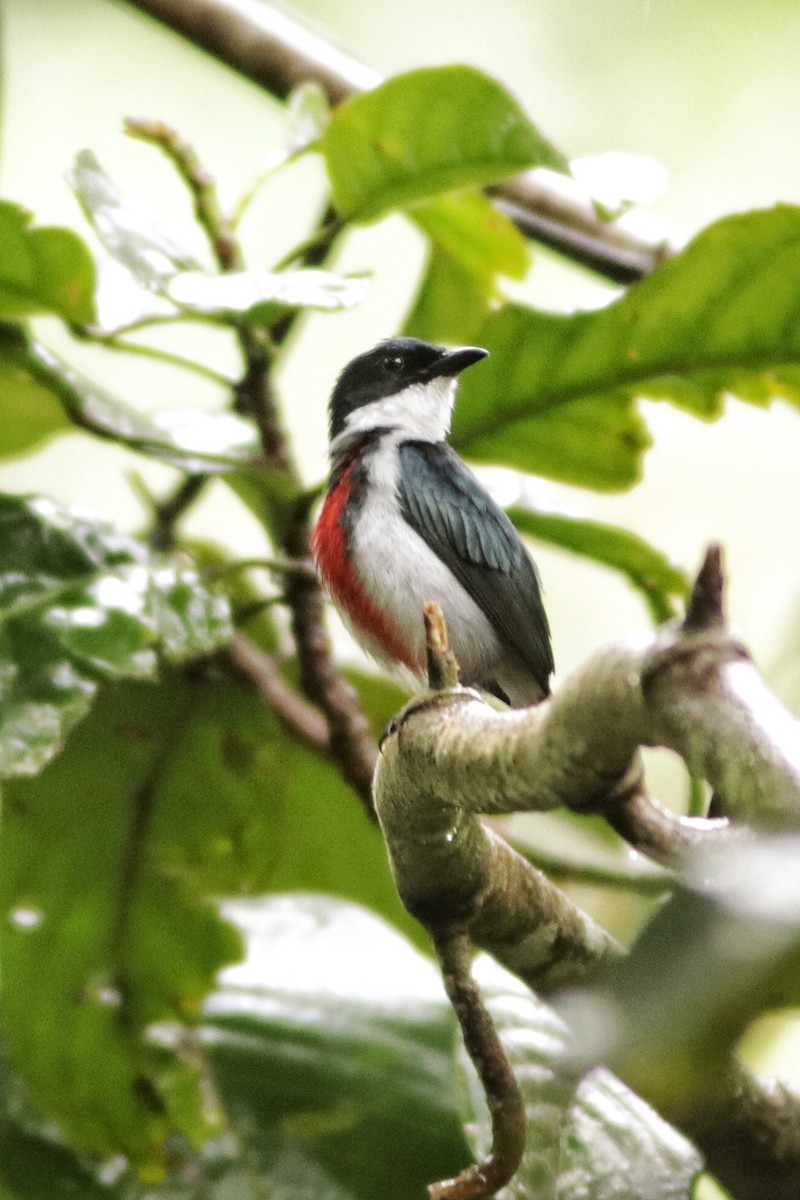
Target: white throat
x=421, y=413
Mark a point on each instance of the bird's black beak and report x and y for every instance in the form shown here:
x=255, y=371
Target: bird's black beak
x=453, y=362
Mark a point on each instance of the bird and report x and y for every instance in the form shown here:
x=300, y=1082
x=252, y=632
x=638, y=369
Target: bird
x=404, y=521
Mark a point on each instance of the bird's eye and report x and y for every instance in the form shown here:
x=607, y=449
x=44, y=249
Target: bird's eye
x=393, y=363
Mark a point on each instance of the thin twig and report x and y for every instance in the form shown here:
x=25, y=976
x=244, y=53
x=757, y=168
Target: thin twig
x=208, y=212
x=647, y=881
x=483, y=1045
x=295, y=712
x=349, y=736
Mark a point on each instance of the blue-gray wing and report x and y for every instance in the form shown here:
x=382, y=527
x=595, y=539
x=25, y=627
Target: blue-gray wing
x=443, y=502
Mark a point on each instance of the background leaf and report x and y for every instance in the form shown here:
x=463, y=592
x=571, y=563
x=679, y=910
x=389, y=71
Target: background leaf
x=557, y=397
x=590, y=1138
x=336, y=1060
x=123, y=941
x=383, y=150
x=645, y=567
x=128, y=233
x=261, y=295
x=471, y=245
x=43, y=269
x=188, y=438
x=79, y=603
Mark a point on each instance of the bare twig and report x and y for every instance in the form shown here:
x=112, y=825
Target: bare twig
x=349, y=738
x=277, y=51
x=296, y=713
x=443, y=669
x=201, y=185
x=453, y=950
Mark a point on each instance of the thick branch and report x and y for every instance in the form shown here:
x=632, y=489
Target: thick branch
x=696, y=692
x=277, y=51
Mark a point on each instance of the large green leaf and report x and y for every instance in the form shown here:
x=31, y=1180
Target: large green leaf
x=43, y=269
x=646, y=568
x=431, y=130
x=127, y=232
x=107, y=950
x=79, y=603
x=588, y=1138
x=332, y=1047
x=558, y=395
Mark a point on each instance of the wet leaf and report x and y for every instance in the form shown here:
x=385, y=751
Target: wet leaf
x=128, y=947
x=43, y=269
x=79, y=603
x=383, y=150
x=128, y=233
x=332, y=1046
x=558, y=395
x=63, y=398
x=261, y=295
x=588, y=1139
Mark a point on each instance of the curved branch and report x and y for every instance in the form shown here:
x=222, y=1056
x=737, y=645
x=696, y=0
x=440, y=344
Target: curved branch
x=277, y=51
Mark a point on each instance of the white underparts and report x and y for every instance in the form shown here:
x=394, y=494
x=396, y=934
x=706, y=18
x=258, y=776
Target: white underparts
x=401, y=573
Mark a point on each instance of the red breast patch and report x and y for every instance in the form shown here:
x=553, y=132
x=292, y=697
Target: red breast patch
x=329, y=547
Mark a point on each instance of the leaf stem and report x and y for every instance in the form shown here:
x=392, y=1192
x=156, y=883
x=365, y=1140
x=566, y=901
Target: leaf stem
x=113, y=342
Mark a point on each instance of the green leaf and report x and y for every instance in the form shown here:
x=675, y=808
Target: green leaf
x=432, y=130
x=332, y=1047
x=108, y=952
x=509, y=412
x=645, y=567
x=33, y=1164
x=471, y=245
x=468, y=228
x=192, y=440
x=29, y=412
x=451, y=303
x=43, y=269
x=589, y=1138
x=79, y=603
x=261, y=295
x=558, y=395
x=127, y=232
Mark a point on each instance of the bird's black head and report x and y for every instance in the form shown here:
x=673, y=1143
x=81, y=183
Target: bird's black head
x=389, y=368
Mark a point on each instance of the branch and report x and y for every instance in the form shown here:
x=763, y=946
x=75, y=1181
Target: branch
x=451, y=869
x=692, y=688
x=297, y=714
x=452, y=946
x=278, y=51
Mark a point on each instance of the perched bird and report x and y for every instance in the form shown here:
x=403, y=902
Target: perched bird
x=405, y=522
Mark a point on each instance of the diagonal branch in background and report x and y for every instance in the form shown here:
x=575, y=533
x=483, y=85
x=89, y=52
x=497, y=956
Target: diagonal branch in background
x=277, y=50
